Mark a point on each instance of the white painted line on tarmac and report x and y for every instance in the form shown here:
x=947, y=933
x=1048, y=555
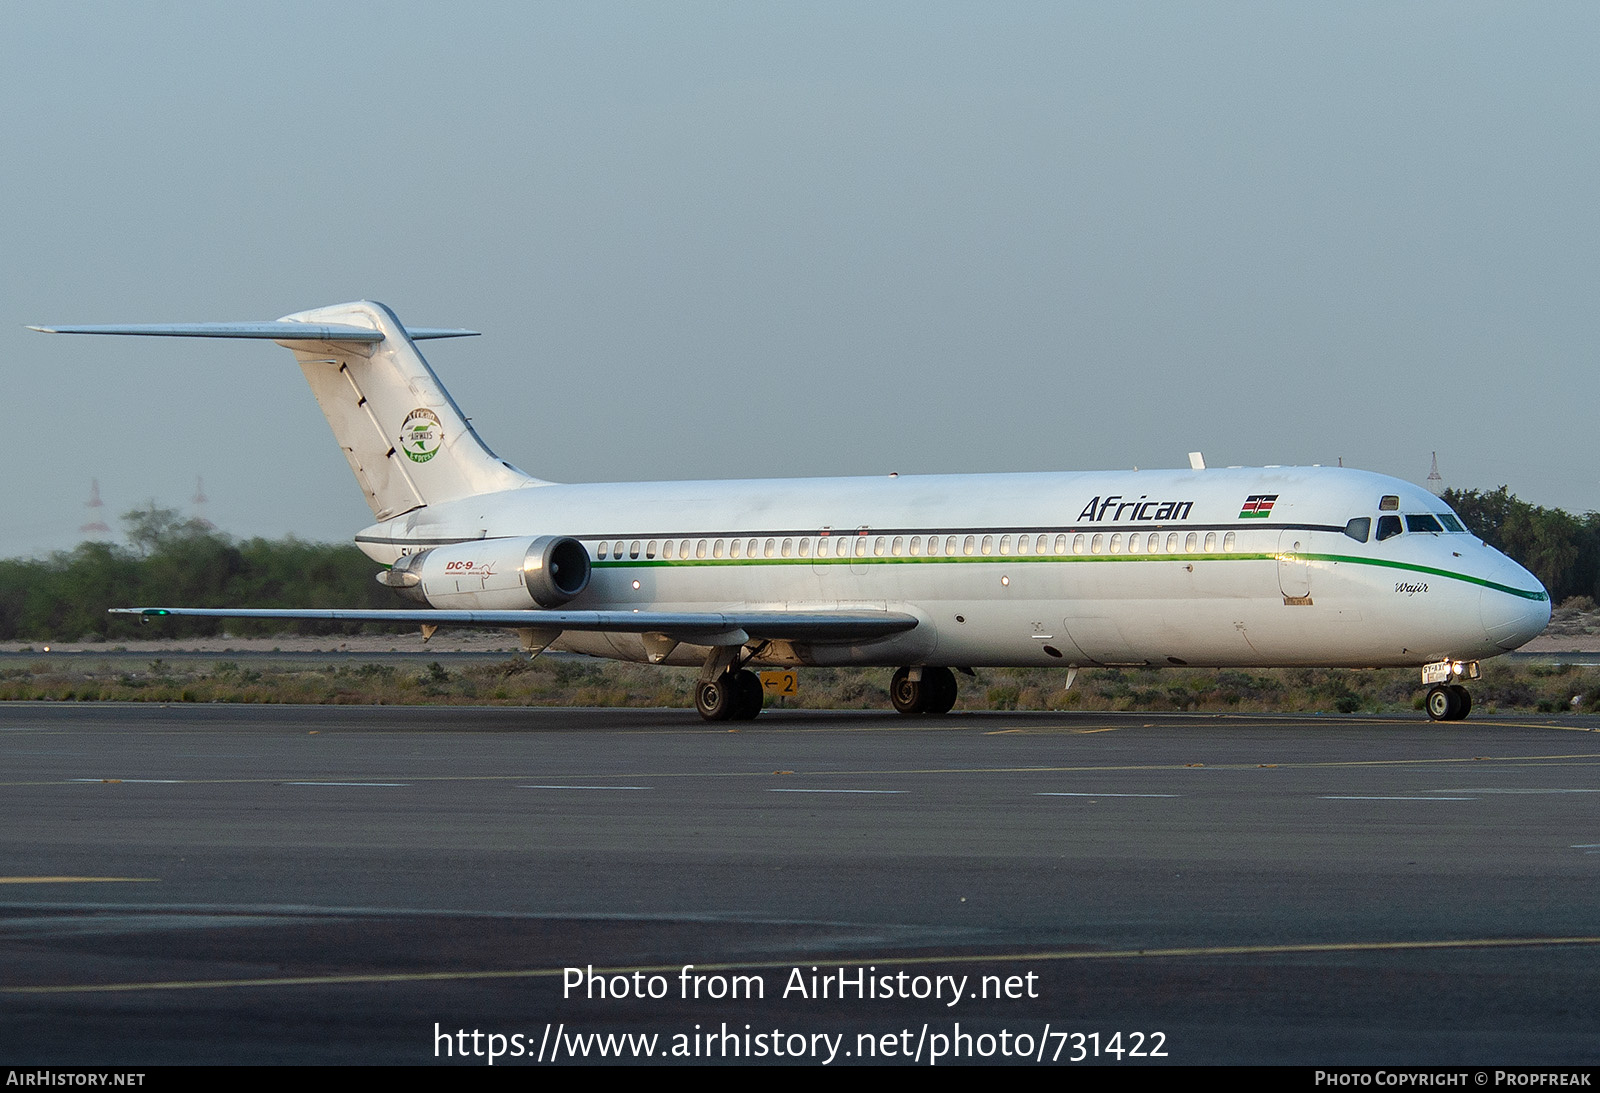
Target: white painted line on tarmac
x=135, y=781
x=1330, y=798
x=383, y=785
x=836, y=791
x=1064, y=794
x=1475, y=789
x=585, y=787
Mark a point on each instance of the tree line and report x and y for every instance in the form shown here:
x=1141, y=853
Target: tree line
x=173, y=562
x=170, y=561
x=1561, y=549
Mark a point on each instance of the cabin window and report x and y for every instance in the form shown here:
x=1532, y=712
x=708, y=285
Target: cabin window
x=1388, y=527
x=1022, y=544
x=736, y=548
x=1228, y=541
x=916, y=545
x=700, y=549
x=600, y=551
x=1423, y=522
x=667, y=550
x=898, y=547
x=650, y=549
x=1211, y=542
x=1005, y=544
x=969, y=544
x=683, y=549
x=1077, y=544
x=633, y=550
x=1190, y=542
x=787, y=549
x=1097, y=545
x=933, y=544
x=805, y=547
x=1172, y=542
x=988, y=544
x=1359, y=528
x=1116, y=542
x=1134, y=542
x=861, y=546
x=771, y=548
x=716, y=549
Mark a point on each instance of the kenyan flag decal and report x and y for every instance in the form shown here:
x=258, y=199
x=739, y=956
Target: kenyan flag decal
x=1258, y=506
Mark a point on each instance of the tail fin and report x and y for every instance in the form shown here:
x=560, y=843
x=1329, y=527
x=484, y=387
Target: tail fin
x=406, y=440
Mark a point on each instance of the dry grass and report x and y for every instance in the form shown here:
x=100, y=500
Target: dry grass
x=1546, y=688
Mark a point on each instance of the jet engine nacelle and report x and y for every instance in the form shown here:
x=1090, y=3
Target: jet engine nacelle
x=493, y=574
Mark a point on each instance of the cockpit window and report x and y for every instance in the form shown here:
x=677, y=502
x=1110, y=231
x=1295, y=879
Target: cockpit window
x=1451, y=522
x=1423, y=522
x=1359, y=528
x=1389, y=503
x=1388, y=527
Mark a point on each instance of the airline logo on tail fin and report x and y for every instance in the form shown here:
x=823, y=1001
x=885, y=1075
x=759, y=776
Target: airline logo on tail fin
x=421, y=435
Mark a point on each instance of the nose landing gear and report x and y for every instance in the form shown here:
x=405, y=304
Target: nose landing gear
x=1448, y=702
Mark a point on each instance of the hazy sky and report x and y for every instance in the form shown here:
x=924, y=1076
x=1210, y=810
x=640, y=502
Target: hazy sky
x=750, y=240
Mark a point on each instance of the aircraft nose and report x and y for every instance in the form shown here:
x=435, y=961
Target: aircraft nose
x=1512, y=619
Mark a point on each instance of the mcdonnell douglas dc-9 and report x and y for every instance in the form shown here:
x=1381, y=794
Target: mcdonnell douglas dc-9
x=929, y=575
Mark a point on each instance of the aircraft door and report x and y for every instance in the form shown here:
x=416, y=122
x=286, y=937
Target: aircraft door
x=860, y=550
x=1294, y=572
x=827, y=553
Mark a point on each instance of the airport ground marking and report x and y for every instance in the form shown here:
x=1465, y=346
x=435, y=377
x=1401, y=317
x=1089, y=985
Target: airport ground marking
x=838, y=791
x=361, y=785
x=1036, y=956
x=78, y=880
x=1351, y=797
x=1108, y=768
x=1063, y=793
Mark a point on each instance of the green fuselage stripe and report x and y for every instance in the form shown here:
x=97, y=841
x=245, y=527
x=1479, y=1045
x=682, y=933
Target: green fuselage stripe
x=1009, y=559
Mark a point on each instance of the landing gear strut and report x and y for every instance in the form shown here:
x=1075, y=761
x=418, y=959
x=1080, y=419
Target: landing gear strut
x=933, y=693
x=1448, y=702
x=731, y=696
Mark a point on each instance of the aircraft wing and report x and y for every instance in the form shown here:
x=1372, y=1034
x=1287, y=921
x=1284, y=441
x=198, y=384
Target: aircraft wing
x=279, y=331
x=692, y=627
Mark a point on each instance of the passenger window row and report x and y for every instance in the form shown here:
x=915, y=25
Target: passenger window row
x=917, y=546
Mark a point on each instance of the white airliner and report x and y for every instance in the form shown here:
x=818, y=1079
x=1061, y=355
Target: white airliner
x=1260, y=567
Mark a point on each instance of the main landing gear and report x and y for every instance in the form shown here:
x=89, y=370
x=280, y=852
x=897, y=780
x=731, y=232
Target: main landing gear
x=731, y=696
x=1448, y=702
x=932, y=691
